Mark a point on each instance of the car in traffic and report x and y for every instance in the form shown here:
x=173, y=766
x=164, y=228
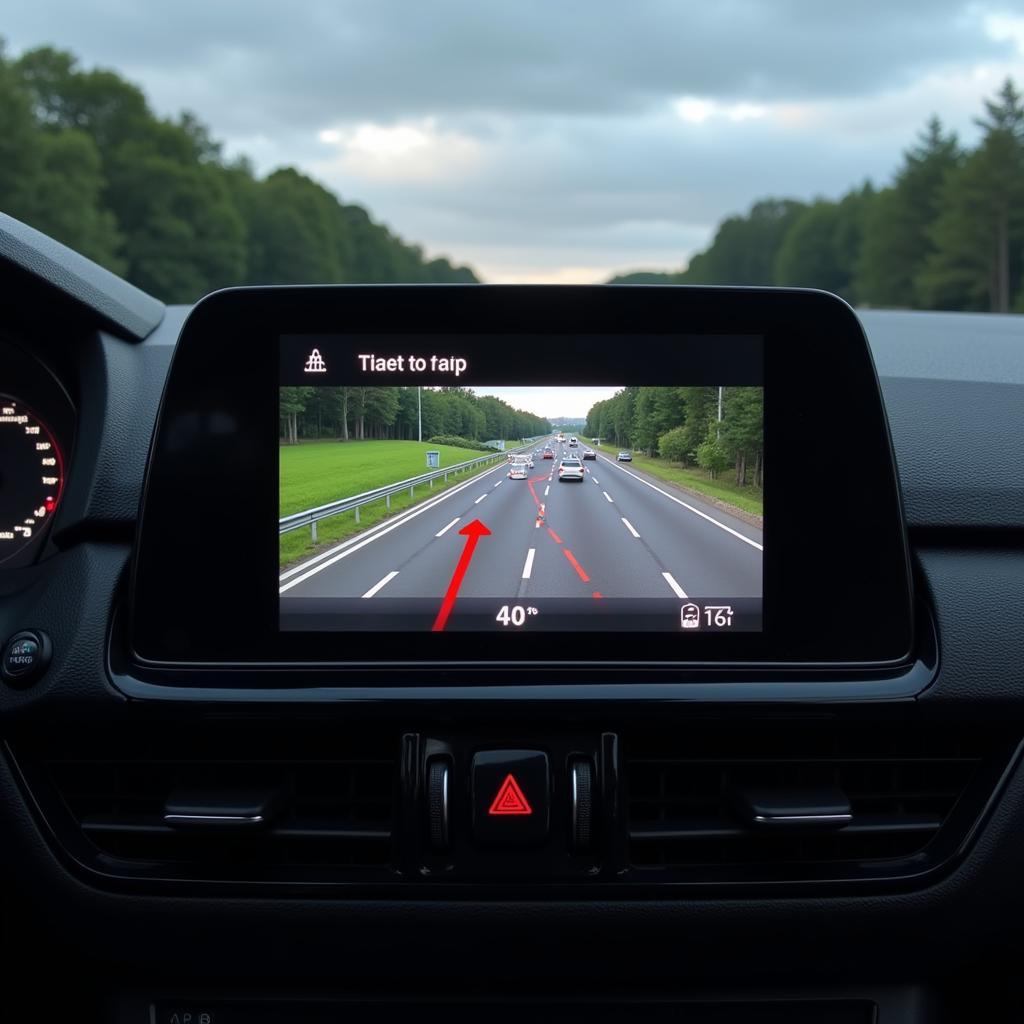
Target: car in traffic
x=548, y=454
x=573, y=442
x=570, y=469
x=589, y=453
x=518, y=471
x=624, y=457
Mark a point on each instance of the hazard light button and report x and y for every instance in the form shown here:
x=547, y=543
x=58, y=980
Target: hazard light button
x=511, y=796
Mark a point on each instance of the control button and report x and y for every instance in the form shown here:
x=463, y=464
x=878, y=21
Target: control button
x=581, y=807
x=25, y=657
x=437, y=802
x=511, y=796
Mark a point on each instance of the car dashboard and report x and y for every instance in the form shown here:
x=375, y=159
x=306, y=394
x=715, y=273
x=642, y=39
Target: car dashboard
x=746, y=838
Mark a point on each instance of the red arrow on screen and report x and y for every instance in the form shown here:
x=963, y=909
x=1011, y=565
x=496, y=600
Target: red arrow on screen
x=472, y=532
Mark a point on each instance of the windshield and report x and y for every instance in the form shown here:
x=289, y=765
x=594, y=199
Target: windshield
x=876, y=151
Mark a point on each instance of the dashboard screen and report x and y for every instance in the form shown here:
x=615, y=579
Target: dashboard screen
x=509, y=484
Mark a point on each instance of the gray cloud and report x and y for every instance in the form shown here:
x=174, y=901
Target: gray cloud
x=311, y=60
x=551, y=124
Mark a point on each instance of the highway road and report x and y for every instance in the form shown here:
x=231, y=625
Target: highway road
x=617, y=534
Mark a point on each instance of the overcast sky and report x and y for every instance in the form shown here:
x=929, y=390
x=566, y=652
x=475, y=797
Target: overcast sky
x=555, y=141
x=548, y=402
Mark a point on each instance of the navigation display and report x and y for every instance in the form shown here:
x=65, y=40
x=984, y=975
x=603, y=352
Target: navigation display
x=421, y=492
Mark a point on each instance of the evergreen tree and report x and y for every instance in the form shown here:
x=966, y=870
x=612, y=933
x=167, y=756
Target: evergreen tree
x=897, y=238
x=979, y=233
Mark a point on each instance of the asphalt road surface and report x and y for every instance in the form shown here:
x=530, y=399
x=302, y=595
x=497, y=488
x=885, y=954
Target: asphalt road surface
x=616, y=534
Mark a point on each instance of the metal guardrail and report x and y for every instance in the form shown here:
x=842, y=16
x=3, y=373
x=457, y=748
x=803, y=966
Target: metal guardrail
x=311, y=516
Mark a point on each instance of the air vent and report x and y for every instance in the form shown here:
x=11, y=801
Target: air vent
x=334, y=813
x=912, y=799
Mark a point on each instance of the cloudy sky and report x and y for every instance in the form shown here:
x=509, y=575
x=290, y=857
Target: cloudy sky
x=555, y=141
x=550, y=402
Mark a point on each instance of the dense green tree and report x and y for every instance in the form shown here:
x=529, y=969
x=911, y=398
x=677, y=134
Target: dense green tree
x=897, y=229
x=183, y=234
x=672, y=445
x=745, y=248
x=20, y=157
x=99, y=102
x=656, y=410
x=979, y=233
x=392, y=412
x=84, y=158
x=712, y=454
x=67, y=198
x=647, y=277
x=292, y=404
x=701, y=405
x=640, y=417
x=742, y=431
x=821, y=247
x=948, y=233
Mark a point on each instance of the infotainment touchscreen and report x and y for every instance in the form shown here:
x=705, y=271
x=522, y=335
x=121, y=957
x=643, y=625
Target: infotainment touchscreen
x=512, y=484
x=578, y=482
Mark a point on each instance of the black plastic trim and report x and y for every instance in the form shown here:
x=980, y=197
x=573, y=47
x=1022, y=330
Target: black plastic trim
x=121, y=307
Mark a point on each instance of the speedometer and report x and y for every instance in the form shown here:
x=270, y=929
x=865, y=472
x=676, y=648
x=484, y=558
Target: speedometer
x=31, y=476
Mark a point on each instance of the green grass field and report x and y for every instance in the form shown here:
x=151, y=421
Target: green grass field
x=747, y=499
x=317, y=472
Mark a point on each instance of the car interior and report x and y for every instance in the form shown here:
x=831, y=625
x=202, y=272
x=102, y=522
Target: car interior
x=219, y=809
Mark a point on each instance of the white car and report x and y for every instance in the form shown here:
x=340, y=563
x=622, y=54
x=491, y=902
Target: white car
x=518, y=471
x=570, y=469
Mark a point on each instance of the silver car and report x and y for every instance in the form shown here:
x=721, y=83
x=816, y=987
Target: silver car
x=570, y=469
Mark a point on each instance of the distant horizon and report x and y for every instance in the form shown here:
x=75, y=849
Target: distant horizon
x=601, y=165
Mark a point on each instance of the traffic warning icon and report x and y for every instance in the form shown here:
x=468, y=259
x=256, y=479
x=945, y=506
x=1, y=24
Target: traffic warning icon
x=510, y=799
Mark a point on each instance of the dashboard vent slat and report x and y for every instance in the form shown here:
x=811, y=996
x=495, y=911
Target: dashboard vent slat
x=908, y=793
x=338, y=815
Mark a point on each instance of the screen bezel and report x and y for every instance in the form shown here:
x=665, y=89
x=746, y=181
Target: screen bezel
x=204, y=582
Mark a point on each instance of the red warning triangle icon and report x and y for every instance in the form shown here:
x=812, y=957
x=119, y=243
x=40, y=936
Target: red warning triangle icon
x=510, y=799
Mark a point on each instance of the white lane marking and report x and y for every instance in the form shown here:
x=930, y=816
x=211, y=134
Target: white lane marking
x=383, y=583
x=676, y=589
x=442, y=532
x=546, y=489
x=499, y=483
x=695, y=511
x=608, y=496
x=481, y=498
x=353, y=544
x=528, y=568
x=629, y=526
x=596, y=481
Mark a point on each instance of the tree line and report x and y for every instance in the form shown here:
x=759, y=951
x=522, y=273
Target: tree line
x=704, y=426
x=347, y=413
x=84, y=159
x=946, y=233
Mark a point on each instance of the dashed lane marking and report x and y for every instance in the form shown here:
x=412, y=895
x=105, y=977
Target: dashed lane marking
x=380, y=586
x=445, y=529
x=676, y=589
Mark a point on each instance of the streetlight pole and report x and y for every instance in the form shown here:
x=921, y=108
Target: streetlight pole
x=719, y=432
x=419, y=412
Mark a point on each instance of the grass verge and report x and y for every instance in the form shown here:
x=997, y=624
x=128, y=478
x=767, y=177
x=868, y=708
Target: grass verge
x=318, y=472
x=747, y=499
